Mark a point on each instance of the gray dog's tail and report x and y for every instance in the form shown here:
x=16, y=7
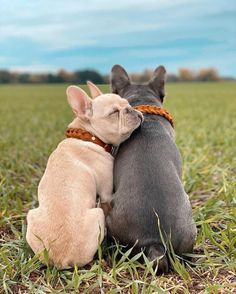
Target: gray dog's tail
x=157, y=253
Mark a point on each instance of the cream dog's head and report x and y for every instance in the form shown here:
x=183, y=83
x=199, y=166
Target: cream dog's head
x=107, y=116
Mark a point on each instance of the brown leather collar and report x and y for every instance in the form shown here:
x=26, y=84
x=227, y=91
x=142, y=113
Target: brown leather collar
x=153, y=109
x=86, y=136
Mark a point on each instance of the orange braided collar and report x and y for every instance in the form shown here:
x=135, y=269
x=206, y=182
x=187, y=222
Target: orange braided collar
x=86, y=136
x=152, y=109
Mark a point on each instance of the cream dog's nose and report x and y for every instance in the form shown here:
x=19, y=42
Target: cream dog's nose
x=128, y=110
x=140, y=116
x=135, y=112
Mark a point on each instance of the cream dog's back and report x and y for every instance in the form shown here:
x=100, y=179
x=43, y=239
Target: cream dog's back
x=66, y=222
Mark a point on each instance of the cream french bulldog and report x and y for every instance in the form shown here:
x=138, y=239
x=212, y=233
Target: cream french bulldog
x=67, y=222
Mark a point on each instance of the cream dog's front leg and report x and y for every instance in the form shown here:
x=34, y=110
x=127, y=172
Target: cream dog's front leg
x=105, y=196
x=106, y=207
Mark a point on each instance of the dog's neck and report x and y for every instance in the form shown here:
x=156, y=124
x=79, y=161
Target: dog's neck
x=156, y=110
x=134, y=101
x=81, y=130
x=85, y=125
x=79, y=124
x=83, y=135
x=142, y=96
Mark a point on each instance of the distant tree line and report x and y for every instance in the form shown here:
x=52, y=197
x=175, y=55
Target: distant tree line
x=62, y=76
x=184, y=75
x=81, y=76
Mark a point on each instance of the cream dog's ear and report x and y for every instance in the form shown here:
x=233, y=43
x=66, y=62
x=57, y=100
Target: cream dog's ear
x=79, y=101
x=94, y=90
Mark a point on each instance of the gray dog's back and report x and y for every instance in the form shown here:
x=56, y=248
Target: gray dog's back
x=147, y=183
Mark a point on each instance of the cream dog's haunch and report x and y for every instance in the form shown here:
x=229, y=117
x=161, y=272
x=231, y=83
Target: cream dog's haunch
x=67, y=222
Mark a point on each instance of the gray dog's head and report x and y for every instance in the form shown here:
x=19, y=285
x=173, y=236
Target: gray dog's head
x=152, y=92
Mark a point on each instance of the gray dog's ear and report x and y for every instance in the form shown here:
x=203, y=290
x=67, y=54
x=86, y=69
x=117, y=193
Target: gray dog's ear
x=157, y=83
x=119, y=78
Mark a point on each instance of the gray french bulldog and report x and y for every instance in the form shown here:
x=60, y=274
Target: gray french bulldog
x=147, y=179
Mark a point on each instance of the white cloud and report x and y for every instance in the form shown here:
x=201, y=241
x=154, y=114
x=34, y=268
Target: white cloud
x=3, y=59
x=145, y=53
x=137, y=29
x=59, y=25
x=84, y=23
x=36, y=68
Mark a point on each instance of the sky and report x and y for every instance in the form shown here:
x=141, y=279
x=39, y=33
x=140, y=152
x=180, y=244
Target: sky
x=47, y=35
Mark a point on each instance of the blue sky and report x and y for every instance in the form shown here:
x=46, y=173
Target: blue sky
x=48, y=35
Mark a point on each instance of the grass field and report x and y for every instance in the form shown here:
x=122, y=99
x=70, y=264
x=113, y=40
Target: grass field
x=33, y=121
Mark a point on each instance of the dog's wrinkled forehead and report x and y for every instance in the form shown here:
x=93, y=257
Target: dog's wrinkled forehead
x=106, y=102
x=138, y=90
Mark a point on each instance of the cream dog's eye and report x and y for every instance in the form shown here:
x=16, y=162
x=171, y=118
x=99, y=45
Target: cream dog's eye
x=116, y=111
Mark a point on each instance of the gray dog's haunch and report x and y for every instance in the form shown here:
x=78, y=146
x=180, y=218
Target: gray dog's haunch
x=147, y=179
